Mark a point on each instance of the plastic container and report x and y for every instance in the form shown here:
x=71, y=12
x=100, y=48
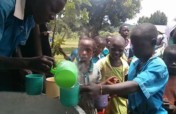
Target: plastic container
x=65, y=74
x=52, y=90
x=34, y=84
x=69, y=96
x=101, y=101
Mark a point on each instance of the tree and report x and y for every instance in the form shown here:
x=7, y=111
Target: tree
x=68, y=21
x=143, y=20
x=91, y=16
x=112, y=12
x=157, y=18
x=94, y=15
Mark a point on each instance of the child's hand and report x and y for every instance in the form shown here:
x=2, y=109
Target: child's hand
x=165, y=101
x=93, y=89
x=112, y=80
x=169, y=107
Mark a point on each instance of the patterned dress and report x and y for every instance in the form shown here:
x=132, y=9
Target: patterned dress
x=86, y=101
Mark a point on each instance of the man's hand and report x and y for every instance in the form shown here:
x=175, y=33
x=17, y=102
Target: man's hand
x=41, y=64
x=25, y=72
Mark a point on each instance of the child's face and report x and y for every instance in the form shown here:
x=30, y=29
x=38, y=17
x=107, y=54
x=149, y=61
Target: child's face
x=174, y=36
x=170, y=61
x=124, y=31
x=99, y=49
x=142, y=48
x=85, y=50
x=116, y=50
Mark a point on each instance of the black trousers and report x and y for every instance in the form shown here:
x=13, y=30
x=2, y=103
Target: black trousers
x=11, y=80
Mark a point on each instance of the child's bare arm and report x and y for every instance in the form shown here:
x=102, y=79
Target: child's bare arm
x=120, y=89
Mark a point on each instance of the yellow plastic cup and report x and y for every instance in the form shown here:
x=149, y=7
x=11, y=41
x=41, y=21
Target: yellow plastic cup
x=52, y=90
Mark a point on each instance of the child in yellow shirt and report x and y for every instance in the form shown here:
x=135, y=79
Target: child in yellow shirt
x=114, y=65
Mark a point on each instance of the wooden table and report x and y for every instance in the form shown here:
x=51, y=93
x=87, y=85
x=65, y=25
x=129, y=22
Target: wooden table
x=21, y=103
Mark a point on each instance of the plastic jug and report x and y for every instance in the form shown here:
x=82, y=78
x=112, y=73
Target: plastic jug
x=65, y=74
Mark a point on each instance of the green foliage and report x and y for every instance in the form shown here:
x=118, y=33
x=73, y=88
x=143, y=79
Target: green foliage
x=143, y=20
x=104, y=34
x=157, y=18
x=74, y=16
x=112, y=12
x=60, y=40
x=90, y=16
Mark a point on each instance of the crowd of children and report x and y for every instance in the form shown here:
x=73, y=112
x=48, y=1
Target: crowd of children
x=146, y=86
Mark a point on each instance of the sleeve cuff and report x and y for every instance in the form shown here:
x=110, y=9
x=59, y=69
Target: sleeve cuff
x=142, y=87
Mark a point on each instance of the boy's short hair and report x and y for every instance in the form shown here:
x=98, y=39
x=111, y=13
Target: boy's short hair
x=116, y=38
x=88, y=39
x=99, y=40
x=146, y=31
x=124, y=25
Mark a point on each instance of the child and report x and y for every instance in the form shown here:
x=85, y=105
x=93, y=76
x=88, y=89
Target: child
x=105, y=51
x=170, y=92
x=85, y=66
x=114, y=65
x=147, y=76
x=124, y=32
x=100, y=45
x=171, y=33
x=74, y=54
x=160, y=45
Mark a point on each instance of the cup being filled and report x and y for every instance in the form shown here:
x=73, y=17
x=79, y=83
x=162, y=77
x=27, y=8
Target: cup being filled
x=69, y=96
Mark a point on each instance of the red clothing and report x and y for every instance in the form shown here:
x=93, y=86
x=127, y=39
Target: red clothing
x=170, y=92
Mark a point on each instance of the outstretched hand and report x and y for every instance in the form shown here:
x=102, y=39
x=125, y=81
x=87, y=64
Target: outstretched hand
x=93, y=89
x=112, y=80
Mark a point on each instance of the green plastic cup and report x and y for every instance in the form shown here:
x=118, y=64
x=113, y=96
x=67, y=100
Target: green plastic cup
x=69, y=96
x=34, y=84
x=65, y=74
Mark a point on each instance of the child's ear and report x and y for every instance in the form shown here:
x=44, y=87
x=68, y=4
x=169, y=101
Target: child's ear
x=153, y=41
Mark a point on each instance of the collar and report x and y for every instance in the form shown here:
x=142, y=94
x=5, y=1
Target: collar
x=19, y=9
x=137, y=61
x=99, y=56
x=108, y=60
x=90, y=69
